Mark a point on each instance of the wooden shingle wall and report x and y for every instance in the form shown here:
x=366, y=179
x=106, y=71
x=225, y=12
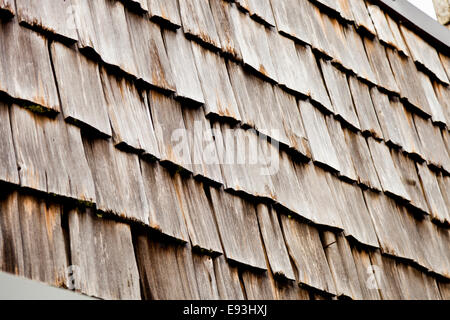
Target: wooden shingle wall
x=127, y=129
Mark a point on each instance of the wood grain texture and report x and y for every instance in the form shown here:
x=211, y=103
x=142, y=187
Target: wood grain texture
x=238, y=229
x=322, y=149
x=343, y=153
x=367, y=279
x=362, y=17
x=198, y=21
x=55, y=17
x=129, y=115
x=399, y=41
x=352, y=210
x=258, y=286
x=290, y=290
x=165, y=207
x=407, y=171
x=343, y=268
x=198, y=214
x=98, y=245
x=437, y=110
x=261, y=11
x=204, y=155
x=119, y=186
x=416, y=285
x=205, y=275
x=306, y=252
x=31, y=239
x=384, y=75
x=365, y=110
x=102, y=27
x=25, y=68
x=387, y=173
x=50, y=156
x=227, y=277
x=80, y=88
x=170, y=130
x=362, y=160
x=166, y=271
x=216, y=86
x=443, y=96
x=149, y=53
x=183, y=67
x=424, y=54
x=273, y=242
x=381, y=24
x=165, y=12
x=8, y=163
x=387, y=278
x=436, y=203
x=257, y=103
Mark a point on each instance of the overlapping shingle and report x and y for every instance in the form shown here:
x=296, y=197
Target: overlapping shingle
x=227, y=277
x=80, y=88
x=7, y=9
x=165, y=12
x=381, y=24
x=361, y=15
x=437, y=111
x=260, y=10
x=25, y=68
x=55, y=17
x=366, y=276
x=8, y=167
x=111, y=244
x=206, y=280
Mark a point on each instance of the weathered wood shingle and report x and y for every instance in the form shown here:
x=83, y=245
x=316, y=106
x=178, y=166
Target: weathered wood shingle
x=8, y=167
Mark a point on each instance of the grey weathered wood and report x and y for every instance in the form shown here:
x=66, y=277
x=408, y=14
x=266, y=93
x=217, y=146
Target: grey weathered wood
x=330, y=4
x=424, y=54
x=257, y=103
x=437, y=111
x=55, y=17
x=387, y=117
x=165, y=12
x=352, y=210
x=433, y=145
x=408, y=175
x=32, y=240
x=313, y=183
x=400, y=43
x=342, y=266
x=362, y=17
x=258, y=286
x=205, y=160
x=340, y=95
x=416, y=285
x=365, y=274
x=387, y=220
x=80, y=89
x=119, y=186
x=381, y=25
x=253, y=41
x=260, y=10
x=342, y=150
x=224, y=14
x=25, y=68
x=387, y=173
x=362, y=100
x=317, y=91
x=98, y=245
x=50, y=156
x=362, y=160
x=273, y=242
x=407, y=79
x=444, y=289
x=445, y=59
x=443, y=96
x=290, y=290
x=386, y=275
x=292, y=122
x=182, y=62
x=206, y=280
x=198, y=215
x=8, y=164
x=166, y=270
x=227, y=278
x=170, y=130
x=238, y=228
x=165, y=207
x=129, y=115
x=444, y=184
x=102, y=27
x=322, y=149
x=287, y=13
x=306, y=252
x=334, y=42
x=149, y=53
x=436, y=203
x=216, y=86
x=198, y=21
x=380, y=65
x=7, y=9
